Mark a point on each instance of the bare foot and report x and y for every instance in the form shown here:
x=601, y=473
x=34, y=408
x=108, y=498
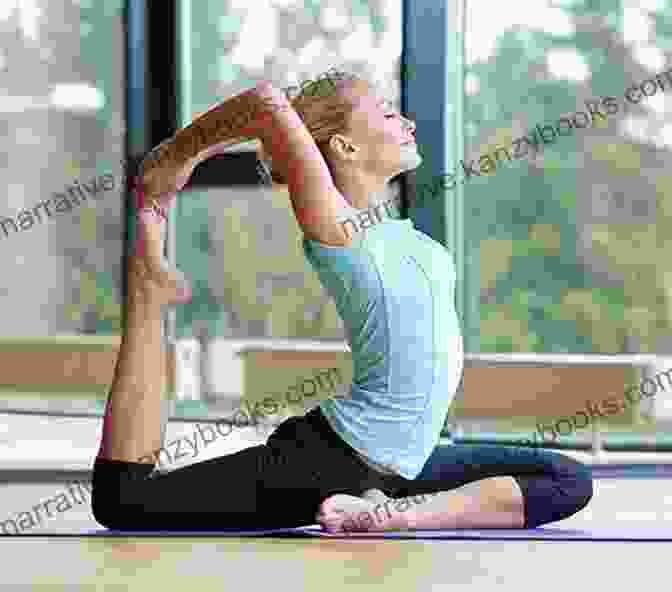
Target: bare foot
x=150, y=277
x=369, y=513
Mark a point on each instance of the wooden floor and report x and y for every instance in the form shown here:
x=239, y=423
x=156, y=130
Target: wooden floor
x=184, y=565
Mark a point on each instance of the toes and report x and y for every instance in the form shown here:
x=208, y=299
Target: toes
x=335, y=522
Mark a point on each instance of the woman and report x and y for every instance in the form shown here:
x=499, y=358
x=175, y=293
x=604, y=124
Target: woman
x=345, y=463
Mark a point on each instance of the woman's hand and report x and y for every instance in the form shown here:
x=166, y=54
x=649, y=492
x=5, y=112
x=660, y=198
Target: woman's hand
x=266, y=101
x=159, y=179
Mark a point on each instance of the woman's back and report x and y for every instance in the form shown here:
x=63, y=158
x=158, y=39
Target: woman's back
x=394, y=288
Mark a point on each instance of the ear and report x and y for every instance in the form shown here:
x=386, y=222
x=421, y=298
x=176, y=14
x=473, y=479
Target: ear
x=339, y=143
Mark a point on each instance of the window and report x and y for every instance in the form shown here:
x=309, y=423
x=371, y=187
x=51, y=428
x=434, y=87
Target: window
x=61, y=228
x=565, y=189
x=242, y=244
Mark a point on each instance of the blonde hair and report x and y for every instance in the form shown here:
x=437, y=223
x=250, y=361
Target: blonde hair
x=324, y=111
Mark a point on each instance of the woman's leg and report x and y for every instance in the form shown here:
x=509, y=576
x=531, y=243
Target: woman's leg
x=124, y=496
x=278, y=484
x=491, y=481
x=474, y=487
x=131, y=427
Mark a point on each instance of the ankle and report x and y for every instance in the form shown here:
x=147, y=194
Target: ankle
x=142, y=304
x=142, y=284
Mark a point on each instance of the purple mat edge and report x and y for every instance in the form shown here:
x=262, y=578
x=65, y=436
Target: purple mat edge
x=546, y=534
x=557, y=534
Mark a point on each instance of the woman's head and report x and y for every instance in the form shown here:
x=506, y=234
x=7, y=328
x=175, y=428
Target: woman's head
x=364, y=141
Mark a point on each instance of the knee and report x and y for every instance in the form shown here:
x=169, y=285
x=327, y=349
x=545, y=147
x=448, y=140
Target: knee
x=577, y=487
x=109, y=490
x=578, y=478
x=583, y=486
x=559, y=495
x=102, y=510
x=106, y=507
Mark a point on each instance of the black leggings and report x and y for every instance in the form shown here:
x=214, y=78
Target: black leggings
x=281, y=484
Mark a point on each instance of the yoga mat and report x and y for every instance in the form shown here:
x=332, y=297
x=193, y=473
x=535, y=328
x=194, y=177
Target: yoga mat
x=270, y=532
x=642, y=533
x=105, y=533
x=632, y=533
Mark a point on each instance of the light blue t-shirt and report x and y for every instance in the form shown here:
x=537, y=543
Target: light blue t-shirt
x=394, y=289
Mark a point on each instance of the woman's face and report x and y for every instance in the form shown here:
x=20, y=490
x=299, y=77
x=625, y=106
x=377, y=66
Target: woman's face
x=385, y=140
